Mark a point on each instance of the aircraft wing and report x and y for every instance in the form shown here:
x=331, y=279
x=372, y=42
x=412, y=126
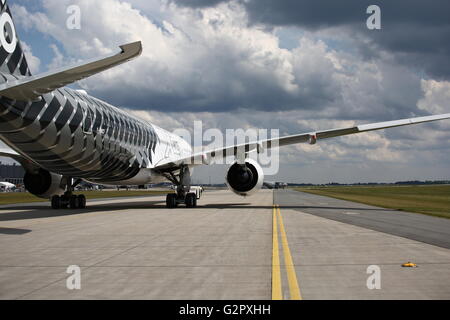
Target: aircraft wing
x=309, y=137
x=31, y=88
x=7, y=152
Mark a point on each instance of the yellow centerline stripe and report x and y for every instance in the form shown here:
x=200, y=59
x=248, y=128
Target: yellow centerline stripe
x=276, y=274
x=294, y=289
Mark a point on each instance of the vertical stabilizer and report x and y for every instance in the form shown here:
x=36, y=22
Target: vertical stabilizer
x=12, y=58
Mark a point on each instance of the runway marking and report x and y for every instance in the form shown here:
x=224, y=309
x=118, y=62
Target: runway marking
x=290, y=268
x=276, y=274
x=294, y=289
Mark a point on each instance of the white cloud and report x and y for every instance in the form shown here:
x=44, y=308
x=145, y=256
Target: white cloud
x=34, y=62
x=58, y=60
x=436, y=96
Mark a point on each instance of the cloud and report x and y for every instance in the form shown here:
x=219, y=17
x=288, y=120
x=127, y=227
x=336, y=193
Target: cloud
x=202, y=61
x=34, y=62
x=416, y=31
x=212, y=60
x=436, y=96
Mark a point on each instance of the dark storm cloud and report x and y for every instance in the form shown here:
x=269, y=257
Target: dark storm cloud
x=424, y=48
x=198, y=3
x=315, y=14
x=259, y=95
x=416, y=31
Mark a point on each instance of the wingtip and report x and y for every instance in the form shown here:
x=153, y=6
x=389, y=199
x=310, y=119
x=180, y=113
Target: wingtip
x=133, y=49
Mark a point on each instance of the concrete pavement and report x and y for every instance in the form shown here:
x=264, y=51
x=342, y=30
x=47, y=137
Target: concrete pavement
x=139, y=250
x=223, y=249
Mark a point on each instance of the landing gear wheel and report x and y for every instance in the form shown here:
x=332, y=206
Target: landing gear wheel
x=171, y=200
x=56, y=202
x=190, y=200
x=73, y=202
x=81, y=201
x=64, y=201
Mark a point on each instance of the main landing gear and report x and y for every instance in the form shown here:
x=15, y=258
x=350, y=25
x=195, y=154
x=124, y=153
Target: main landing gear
x=68, y=199
x=183, y=194
x=189, y=199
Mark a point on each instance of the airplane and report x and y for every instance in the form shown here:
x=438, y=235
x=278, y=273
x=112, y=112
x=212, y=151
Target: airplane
x=5, y=186
x=275, y=185
x=280, y=185
x=269, y=184
x=63, y=136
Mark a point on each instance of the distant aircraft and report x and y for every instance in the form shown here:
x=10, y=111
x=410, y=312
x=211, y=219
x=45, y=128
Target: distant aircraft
x=274, y=185
x=280, y=185
x=63, y=136
x=269, y=184
x=6, y=186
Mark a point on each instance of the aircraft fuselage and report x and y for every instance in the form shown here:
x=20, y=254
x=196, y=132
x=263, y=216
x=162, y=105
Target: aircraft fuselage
x=73, y=134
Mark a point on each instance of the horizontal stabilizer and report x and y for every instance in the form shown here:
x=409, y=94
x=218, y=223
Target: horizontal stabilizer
x=31, y=88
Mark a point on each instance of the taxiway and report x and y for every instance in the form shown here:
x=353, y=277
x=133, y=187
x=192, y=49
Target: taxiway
x=135, y=248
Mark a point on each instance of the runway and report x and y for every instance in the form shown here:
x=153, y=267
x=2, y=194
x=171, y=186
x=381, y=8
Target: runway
x=227, y=248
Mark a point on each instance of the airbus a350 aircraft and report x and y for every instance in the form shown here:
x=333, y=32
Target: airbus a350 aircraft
x=63, y=136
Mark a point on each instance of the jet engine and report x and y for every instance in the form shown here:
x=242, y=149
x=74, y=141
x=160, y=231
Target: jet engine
x=245, y=179
x=43, y=184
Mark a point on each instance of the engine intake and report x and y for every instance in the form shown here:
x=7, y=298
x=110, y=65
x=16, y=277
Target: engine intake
x=43, y=184
x=245, y=179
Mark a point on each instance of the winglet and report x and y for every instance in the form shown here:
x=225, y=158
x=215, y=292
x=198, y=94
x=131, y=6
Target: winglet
x=132, y=49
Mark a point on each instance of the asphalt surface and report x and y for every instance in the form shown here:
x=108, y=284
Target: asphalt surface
x=335, y=243
x=227, y=248
x=423, y=228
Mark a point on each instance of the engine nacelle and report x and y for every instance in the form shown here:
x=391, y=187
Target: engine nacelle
x=43, y=184
x=245, y=179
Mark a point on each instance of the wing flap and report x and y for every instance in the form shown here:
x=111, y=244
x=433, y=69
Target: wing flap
x=31, y=88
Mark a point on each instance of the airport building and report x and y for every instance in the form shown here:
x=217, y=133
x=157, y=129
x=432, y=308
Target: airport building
x=12, y=173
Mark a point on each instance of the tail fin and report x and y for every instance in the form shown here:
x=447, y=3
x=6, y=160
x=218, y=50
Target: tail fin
x=12, y=58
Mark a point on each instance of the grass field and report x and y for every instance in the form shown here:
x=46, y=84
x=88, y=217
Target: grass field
x=431, y=200
x=25, y=197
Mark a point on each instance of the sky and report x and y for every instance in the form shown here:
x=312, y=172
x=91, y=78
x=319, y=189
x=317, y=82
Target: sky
x=295, y=66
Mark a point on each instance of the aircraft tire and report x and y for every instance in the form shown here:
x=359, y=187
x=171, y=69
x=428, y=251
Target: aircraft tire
x=171, y=200
x=190, y=200
x=73, y=202
x=56, y=202
x=81, y=201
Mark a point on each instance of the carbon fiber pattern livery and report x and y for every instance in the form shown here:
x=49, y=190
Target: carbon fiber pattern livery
x=73, y=134
x=14, y=62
